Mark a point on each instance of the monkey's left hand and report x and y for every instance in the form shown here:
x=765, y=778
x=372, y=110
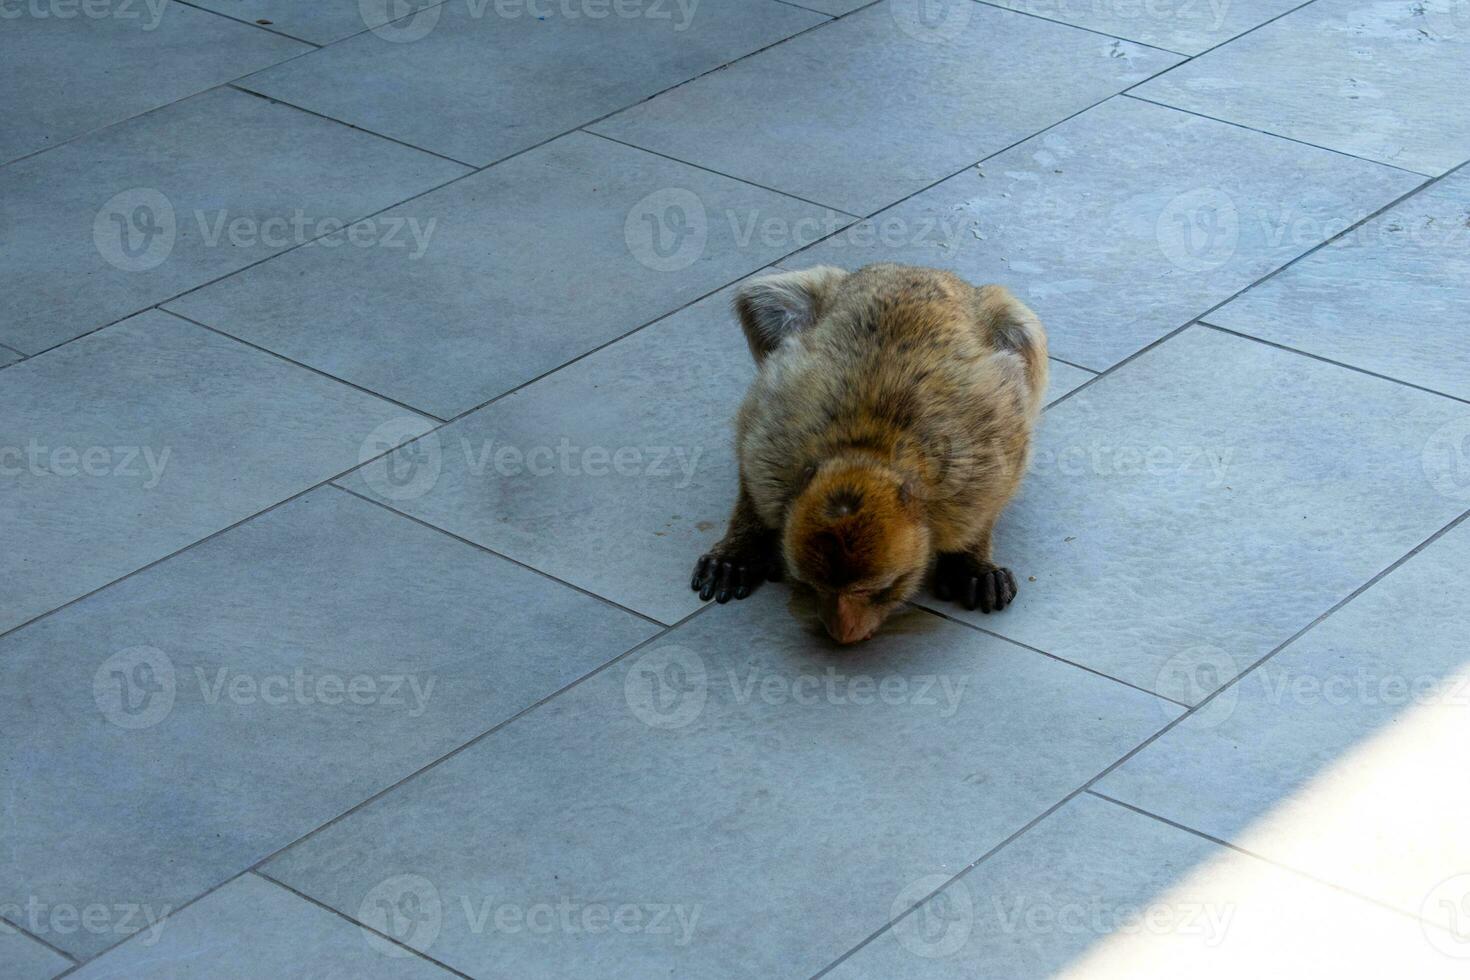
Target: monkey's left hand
x=972, y=583
x=734, y=568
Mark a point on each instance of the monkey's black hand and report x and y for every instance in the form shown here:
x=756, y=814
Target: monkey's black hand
x=973, y=583
x=733, y=572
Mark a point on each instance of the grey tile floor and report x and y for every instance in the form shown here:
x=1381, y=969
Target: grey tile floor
x=366, y=377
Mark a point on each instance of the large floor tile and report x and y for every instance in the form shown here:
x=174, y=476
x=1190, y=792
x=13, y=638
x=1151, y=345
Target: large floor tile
x=253, y=928
x=167, y=733
x=146, y=209
x=523, y=267
x=1336, y=756
x=1191, y=511
x=462, y=80
x=320, y=21
x=1391, y=297
x=1097, y=892
x=1126, y=222
x=1367, y=77
x=613, y=474
x=1188, y=26
x=926, y=101
x=22, y=958
x=738, y=779
x=69, y=68
x=124, y=446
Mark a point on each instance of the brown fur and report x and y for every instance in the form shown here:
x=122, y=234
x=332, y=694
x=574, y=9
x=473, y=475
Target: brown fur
x=890, y=423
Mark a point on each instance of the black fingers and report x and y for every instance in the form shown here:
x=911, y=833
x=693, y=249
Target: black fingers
x=964, y=581
x=721, y=579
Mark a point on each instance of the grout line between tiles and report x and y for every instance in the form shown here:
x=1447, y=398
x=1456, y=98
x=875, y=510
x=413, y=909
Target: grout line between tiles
x=1062, y=360
x=1149, y=741
x=504, y=557
x=267, y=28
x=161, y=304
x=23, y=931
x=1237, y=37
x=1051, y=656
x=1098, y=376
x=1328, y=360
x=475, y=740
x=572, y=129
x=1089, y=30
x=342, y=122
x=1200, y=318
x=1263, y=858
x=294, y=363
x=148, y=112
x=720, y=173
x=194, y=544
x=348, y=919
x=813, y=10
x=1279, y=136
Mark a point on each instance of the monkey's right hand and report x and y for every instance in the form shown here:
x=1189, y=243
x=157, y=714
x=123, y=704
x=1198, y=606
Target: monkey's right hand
x=732, y=571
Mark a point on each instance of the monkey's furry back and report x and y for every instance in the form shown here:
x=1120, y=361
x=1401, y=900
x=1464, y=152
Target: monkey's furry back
x=915, y=365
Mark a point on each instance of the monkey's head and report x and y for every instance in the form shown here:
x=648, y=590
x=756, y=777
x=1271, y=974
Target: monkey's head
x=857, y=536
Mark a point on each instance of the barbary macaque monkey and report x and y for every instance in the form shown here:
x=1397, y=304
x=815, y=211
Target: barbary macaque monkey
x=888, y=425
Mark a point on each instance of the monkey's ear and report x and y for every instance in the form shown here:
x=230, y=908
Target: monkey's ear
x=772, y=308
